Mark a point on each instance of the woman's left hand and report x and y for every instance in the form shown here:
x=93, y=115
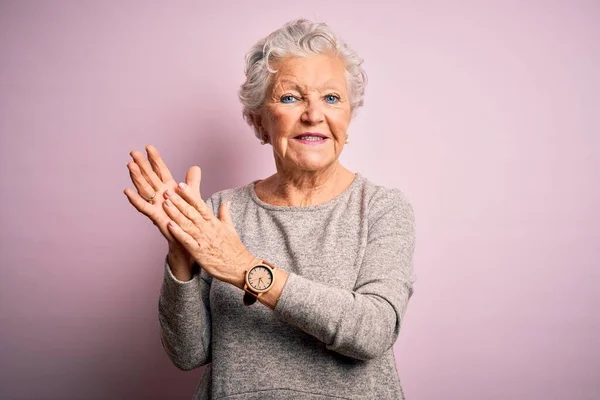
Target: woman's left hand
x=211, y=241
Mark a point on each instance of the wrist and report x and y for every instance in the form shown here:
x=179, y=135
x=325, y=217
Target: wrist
x=240, y=278
x=271, y=297
x=256, y=290
x=181, y=265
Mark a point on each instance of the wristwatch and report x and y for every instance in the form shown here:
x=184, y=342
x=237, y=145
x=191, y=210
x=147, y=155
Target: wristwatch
x=259, y=279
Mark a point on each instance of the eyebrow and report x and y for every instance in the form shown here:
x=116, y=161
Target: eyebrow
x=329, y=84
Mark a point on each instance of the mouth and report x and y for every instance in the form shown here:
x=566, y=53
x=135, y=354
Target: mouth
x=311, y=138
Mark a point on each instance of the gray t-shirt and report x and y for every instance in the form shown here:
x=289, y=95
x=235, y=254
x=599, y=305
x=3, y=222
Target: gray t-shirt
x=331, y=333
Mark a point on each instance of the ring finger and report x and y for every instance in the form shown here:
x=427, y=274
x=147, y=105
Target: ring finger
x=146, y=169
x=141, y=184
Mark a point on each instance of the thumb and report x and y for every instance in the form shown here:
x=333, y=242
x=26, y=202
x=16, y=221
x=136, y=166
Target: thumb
x=225, y=213
x=192, y=179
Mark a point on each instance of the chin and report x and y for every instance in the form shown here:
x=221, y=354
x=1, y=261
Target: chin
x=314, y=165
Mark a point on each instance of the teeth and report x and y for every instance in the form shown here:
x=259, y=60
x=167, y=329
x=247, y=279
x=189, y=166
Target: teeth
x=311, y=138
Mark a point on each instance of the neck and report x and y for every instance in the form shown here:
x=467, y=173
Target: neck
x=305, y=188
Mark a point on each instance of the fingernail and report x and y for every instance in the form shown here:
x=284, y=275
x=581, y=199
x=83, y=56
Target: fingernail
x=182, y=185
x=168, y=203
x=169, y=193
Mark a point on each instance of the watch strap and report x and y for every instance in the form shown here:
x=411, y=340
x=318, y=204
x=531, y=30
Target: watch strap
x=249, y=299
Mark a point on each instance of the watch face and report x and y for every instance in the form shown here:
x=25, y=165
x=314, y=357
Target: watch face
x=260, y=278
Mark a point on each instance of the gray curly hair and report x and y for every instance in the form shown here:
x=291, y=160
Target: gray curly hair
x=298, y=38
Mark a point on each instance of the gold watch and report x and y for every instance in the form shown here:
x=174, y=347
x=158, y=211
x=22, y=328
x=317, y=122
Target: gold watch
x=259, y=279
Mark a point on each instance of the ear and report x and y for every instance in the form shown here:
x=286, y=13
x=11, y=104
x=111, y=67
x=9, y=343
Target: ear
x=257, y=121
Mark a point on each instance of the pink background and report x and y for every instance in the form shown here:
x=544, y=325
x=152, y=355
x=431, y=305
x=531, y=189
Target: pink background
x=484, y=113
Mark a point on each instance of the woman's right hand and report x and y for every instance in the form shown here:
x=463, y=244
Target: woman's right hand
x=152, y=179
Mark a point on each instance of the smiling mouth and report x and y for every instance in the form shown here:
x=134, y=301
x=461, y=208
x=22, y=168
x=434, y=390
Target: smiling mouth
x=311, y=137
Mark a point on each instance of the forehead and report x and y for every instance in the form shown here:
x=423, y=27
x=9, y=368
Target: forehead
x=313, y=72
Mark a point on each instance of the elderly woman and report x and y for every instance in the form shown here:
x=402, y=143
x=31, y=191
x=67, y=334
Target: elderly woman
x=294, y=286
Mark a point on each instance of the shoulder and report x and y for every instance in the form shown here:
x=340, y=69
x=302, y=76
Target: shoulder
x=234, y=195
x=382, y=201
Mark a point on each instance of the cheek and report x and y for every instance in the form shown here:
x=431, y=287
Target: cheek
x=281, y=122
x=340, y=121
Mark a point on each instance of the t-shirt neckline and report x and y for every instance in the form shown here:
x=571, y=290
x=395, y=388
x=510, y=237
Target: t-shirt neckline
x=355, y=182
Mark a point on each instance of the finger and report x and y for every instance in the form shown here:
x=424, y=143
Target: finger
x=158, y=165
x=225, y=213
x=145, y=208
x=146, y=169
x=190, y=244
x=139, y=181
x=187, y=217
x=140, y=204
x=191, y=197
x=193, y=177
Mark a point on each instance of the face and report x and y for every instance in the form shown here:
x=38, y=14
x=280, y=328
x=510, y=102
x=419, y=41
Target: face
x=307, y=112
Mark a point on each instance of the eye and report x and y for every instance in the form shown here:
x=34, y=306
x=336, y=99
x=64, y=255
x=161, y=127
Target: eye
x=332, y=98
x=287, y=98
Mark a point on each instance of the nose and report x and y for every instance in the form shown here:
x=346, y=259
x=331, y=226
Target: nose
x=314, y=112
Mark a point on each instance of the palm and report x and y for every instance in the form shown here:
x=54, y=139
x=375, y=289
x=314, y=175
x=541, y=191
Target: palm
x=152, y=179
x=159, y=216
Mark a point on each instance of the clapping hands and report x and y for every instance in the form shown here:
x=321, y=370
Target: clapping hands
x=193, y=232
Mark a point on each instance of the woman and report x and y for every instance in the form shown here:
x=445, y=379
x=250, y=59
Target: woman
x=294, y=286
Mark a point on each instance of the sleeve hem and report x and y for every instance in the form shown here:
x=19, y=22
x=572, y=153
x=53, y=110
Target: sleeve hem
x=173, y=278
x=173, y=288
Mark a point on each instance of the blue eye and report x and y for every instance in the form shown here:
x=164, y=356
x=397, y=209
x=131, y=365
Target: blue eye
x=332, y=99
x=288, y=98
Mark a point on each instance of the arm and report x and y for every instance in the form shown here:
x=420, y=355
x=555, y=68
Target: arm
x=363, y=323
x=183, y=305
x=184, y=316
